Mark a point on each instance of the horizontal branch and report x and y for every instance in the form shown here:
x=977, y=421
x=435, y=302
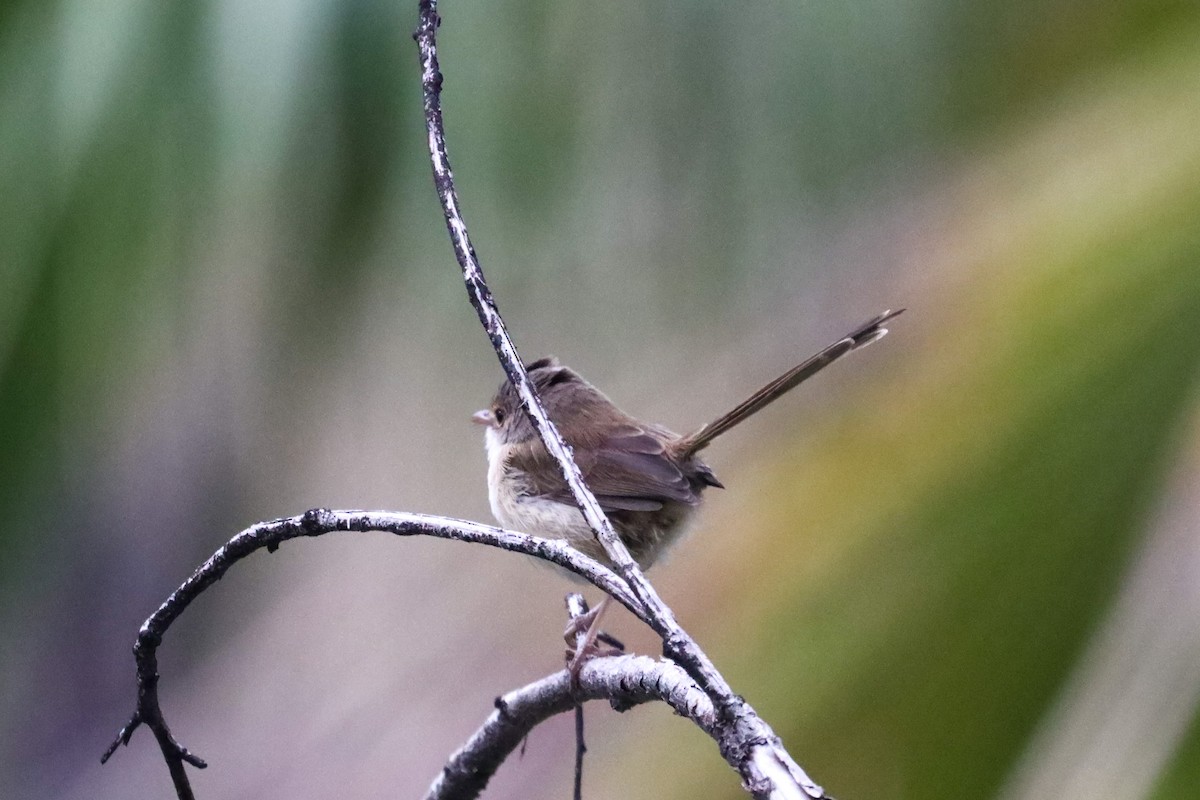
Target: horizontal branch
x=317, y=522
x=320, y=521
x=625, y=681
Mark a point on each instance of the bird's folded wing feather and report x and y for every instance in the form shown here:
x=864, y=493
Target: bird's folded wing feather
x=628, y=469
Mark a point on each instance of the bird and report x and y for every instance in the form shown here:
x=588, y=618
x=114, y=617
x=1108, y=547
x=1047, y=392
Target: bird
x=648, y=480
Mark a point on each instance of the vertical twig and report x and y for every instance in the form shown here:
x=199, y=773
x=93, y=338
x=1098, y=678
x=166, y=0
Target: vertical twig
x=580, y=749
x=577, y=608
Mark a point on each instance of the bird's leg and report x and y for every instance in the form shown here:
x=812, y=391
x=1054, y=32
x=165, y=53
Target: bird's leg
x=582, y=633
x=579, y=624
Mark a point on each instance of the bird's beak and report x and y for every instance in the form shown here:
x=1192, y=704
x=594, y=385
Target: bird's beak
x=483, y=417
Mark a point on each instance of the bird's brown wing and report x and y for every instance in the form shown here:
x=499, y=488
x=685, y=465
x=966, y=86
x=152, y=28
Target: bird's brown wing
x=628, y=469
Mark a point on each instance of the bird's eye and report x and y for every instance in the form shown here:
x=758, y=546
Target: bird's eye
x=498, y=414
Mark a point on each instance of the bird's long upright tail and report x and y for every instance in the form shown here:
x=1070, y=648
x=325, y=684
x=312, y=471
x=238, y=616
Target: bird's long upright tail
x=860, y=337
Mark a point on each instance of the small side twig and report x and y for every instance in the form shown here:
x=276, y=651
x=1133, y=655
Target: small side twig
x=577, y=608
x=580, y=751
x=626, y=681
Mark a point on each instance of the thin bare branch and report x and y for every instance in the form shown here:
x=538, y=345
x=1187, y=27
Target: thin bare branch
x=318, y=522
x=766, y=768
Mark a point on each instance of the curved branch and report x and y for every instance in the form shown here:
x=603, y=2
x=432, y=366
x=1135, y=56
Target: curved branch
x=766, y=768
x=625, y=681
x=317, y=522
x=485, y=304
x=677, y=644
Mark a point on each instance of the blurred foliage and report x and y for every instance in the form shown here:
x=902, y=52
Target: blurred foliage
x=938, y=567
x=1182, y=775
x=1026, y=52
x=980, y=589
x=207, y=204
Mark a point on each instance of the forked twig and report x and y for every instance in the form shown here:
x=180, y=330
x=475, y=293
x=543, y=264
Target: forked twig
x=694, y=688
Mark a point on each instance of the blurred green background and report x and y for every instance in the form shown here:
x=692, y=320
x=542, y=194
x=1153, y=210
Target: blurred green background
x=962, y=564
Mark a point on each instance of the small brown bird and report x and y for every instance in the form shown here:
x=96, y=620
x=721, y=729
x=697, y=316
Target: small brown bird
x=648, y=480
